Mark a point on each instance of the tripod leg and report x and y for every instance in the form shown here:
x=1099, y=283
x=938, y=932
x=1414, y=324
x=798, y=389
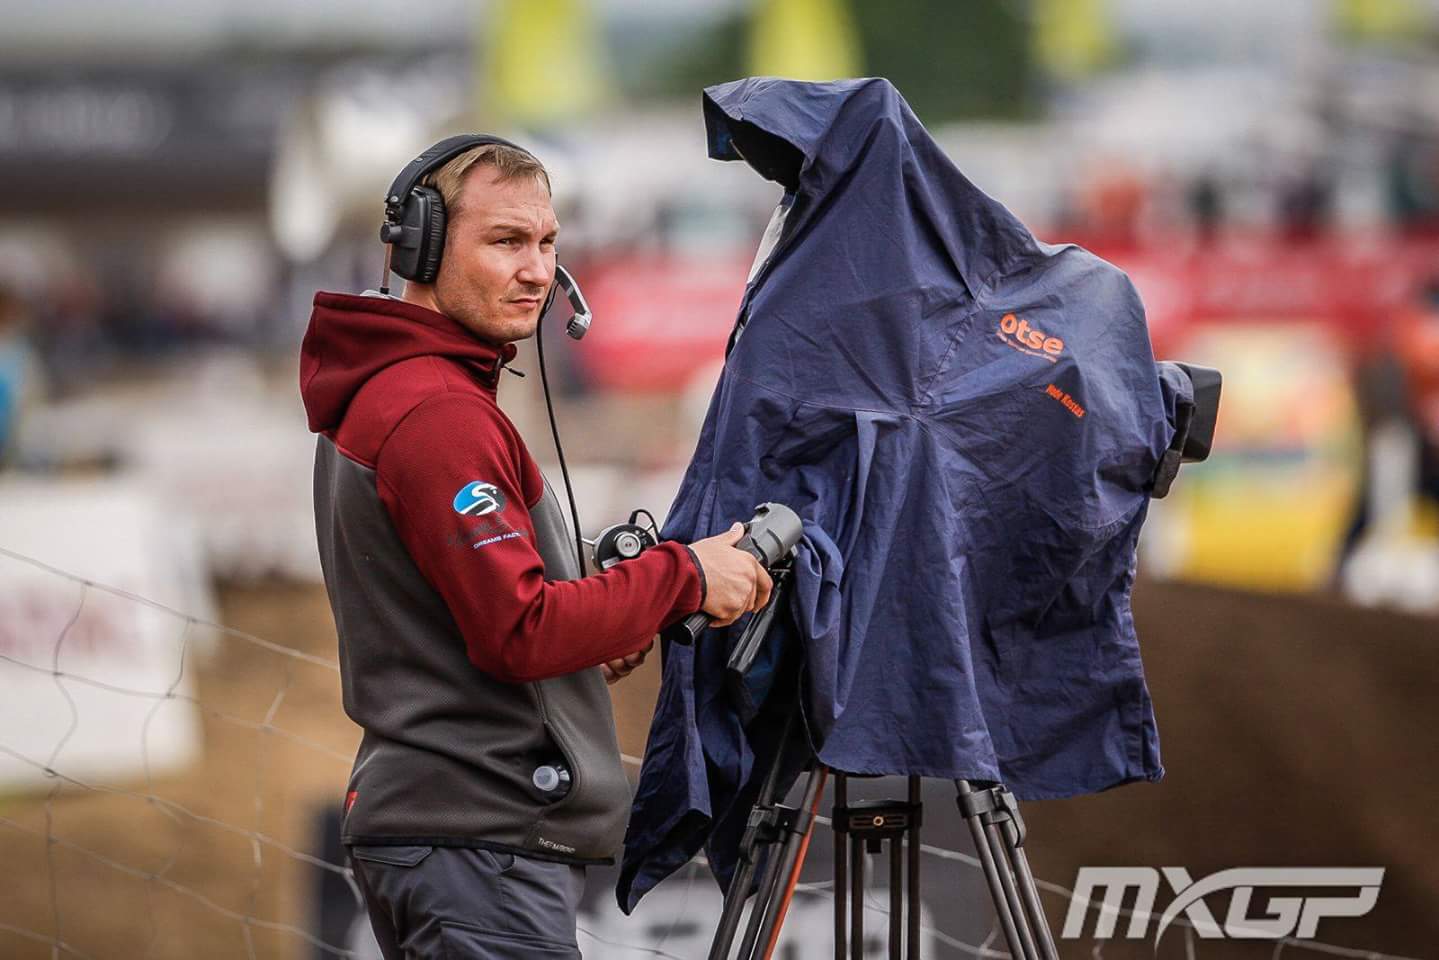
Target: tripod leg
x=782, y=870
x=912, y=849
x=733, y=910
x=795, y=849
x=1002, y=908
x=1011, y=894
x=780, y=875
x=996, y=892
x=841, y=861
x=1029, y=891
x=764, y=903
x=896, y=900
x=856, y=899
x=738, y=890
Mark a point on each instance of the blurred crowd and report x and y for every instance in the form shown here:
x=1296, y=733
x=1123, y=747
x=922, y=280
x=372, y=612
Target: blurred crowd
x=1345, y=163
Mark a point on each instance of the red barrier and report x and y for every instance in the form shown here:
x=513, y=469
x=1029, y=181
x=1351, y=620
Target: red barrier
x=660, y=319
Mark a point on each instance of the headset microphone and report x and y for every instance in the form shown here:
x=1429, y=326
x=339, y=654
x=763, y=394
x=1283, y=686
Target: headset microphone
x=579, y=323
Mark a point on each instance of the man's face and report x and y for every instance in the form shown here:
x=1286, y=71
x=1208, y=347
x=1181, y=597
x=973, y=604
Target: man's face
x=499, y=258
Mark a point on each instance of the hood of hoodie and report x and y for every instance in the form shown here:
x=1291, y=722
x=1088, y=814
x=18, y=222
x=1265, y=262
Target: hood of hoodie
x=353, y=337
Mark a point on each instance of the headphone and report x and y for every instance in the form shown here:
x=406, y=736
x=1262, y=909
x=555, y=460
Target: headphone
x=414, y=227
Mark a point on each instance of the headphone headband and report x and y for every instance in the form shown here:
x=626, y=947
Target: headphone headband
x=436, y=156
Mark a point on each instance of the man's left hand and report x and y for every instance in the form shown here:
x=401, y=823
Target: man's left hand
x=617, y=670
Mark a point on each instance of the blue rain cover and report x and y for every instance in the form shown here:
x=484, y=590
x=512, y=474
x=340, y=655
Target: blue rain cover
x=968, y=421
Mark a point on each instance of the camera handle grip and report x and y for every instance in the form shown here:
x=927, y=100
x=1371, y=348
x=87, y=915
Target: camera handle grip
x=769, y=537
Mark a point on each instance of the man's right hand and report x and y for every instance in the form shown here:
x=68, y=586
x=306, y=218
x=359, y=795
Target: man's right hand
x=735, y=582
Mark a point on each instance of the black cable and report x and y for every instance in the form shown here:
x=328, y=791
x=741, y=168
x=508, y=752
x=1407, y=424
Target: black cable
x=555, y=432
x=654, y=527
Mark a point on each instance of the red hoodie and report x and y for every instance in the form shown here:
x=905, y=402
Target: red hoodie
x=410, y=394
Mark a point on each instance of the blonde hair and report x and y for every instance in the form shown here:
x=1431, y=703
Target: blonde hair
x=512, y=163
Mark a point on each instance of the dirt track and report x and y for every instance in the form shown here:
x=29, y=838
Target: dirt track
x=1295, y=732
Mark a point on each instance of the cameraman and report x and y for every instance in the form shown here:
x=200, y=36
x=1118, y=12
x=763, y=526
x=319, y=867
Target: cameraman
x=488, y=774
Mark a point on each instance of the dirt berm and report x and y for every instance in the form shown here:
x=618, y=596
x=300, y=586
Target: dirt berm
x=1296, y=731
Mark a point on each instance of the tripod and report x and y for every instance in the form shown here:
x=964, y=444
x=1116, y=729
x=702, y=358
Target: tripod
x=779, y=836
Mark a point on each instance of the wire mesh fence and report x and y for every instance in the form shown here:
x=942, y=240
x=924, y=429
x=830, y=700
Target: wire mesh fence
x=164, y=780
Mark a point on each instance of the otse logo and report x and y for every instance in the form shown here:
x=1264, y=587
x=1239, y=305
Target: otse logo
x=1021, y=336
x=1279, y=916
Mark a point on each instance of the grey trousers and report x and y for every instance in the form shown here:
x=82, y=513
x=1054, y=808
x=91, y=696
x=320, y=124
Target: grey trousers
x=457, y=903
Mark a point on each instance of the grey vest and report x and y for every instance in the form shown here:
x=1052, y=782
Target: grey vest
x=448, y=751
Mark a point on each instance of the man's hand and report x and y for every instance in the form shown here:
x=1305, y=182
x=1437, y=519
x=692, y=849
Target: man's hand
x=617, y=670
x=735, y=582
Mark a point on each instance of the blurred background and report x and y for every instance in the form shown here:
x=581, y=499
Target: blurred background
x=180, y=176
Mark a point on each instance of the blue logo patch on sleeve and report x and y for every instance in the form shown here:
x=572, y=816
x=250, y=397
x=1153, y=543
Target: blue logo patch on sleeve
x=478, y=498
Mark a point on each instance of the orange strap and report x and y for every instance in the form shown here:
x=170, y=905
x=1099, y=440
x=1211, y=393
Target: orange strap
x=798, y=866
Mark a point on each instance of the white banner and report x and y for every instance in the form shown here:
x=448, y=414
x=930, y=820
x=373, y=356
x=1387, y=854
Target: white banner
x=93, y=682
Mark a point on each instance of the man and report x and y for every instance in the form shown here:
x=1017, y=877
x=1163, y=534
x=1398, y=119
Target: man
x=488, y=774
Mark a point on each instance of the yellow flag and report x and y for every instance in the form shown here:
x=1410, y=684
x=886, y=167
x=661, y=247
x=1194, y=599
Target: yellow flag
x=543, y=62
x=1380, y=19
x=803, y=40
x=1073, y=37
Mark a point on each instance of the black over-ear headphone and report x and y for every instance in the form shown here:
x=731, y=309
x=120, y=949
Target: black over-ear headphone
x=414, y=227
x=414, y=224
